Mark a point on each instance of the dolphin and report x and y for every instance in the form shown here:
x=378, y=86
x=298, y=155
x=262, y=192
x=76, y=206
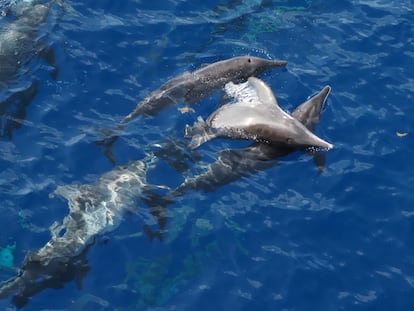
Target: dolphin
x=190, y=87
x=19, y=40
x=255, y=115
x=233, y=164
x=94, y=209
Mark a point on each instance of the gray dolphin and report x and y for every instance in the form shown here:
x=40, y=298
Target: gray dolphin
x=94, y=209
x=190, y=87
x=19, y=40
x=233, y=164
x=255, y=115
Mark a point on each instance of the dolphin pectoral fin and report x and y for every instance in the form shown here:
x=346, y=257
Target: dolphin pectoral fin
x=82, y=270
x=48, y=54
x=15, y=106
x=319, y=158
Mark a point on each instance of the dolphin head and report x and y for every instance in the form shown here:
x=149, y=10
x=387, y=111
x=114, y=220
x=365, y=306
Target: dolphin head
x=290, y=132
x=239, y=69
x=253, y=66
x=290, y=129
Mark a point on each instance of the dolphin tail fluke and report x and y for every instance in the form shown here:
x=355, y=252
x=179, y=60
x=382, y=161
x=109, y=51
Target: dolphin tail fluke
x=157, y=204
x=152, y=234
x=110, y=137
x=106, y=147
x=199, y=133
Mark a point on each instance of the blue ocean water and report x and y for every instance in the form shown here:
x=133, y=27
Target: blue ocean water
x=286, y=238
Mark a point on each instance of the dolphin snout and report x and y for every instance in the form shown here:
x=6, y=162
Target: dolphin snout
x=319, y=142
x=279, y=63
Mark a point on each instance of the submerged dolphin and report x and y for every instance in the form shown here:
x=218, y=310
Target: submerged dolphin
x=234, y=164
x=255, y=115
x=94, y=209
x=19, y=40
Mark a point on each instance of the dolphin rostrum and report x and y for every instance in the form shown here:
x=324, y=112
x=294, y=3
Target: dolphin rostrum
x=254, y=115
x=94, y=209
x=233, y=164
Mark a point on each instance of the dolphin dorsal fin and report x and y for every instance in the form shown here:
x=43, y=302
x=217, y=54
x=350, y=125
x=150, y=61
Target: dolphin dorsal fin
x=254, y=96
x=252, y=93
x=263, y=92
x=266, y=97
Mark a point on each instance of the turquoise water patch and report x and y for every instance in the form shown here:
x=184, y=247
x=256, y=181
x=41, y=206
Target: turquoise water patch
x=7, y=256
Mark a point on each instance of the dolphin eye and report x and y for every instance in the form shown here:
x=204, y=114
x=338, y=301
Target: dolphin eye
x=289, y=141
x=249, y=60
